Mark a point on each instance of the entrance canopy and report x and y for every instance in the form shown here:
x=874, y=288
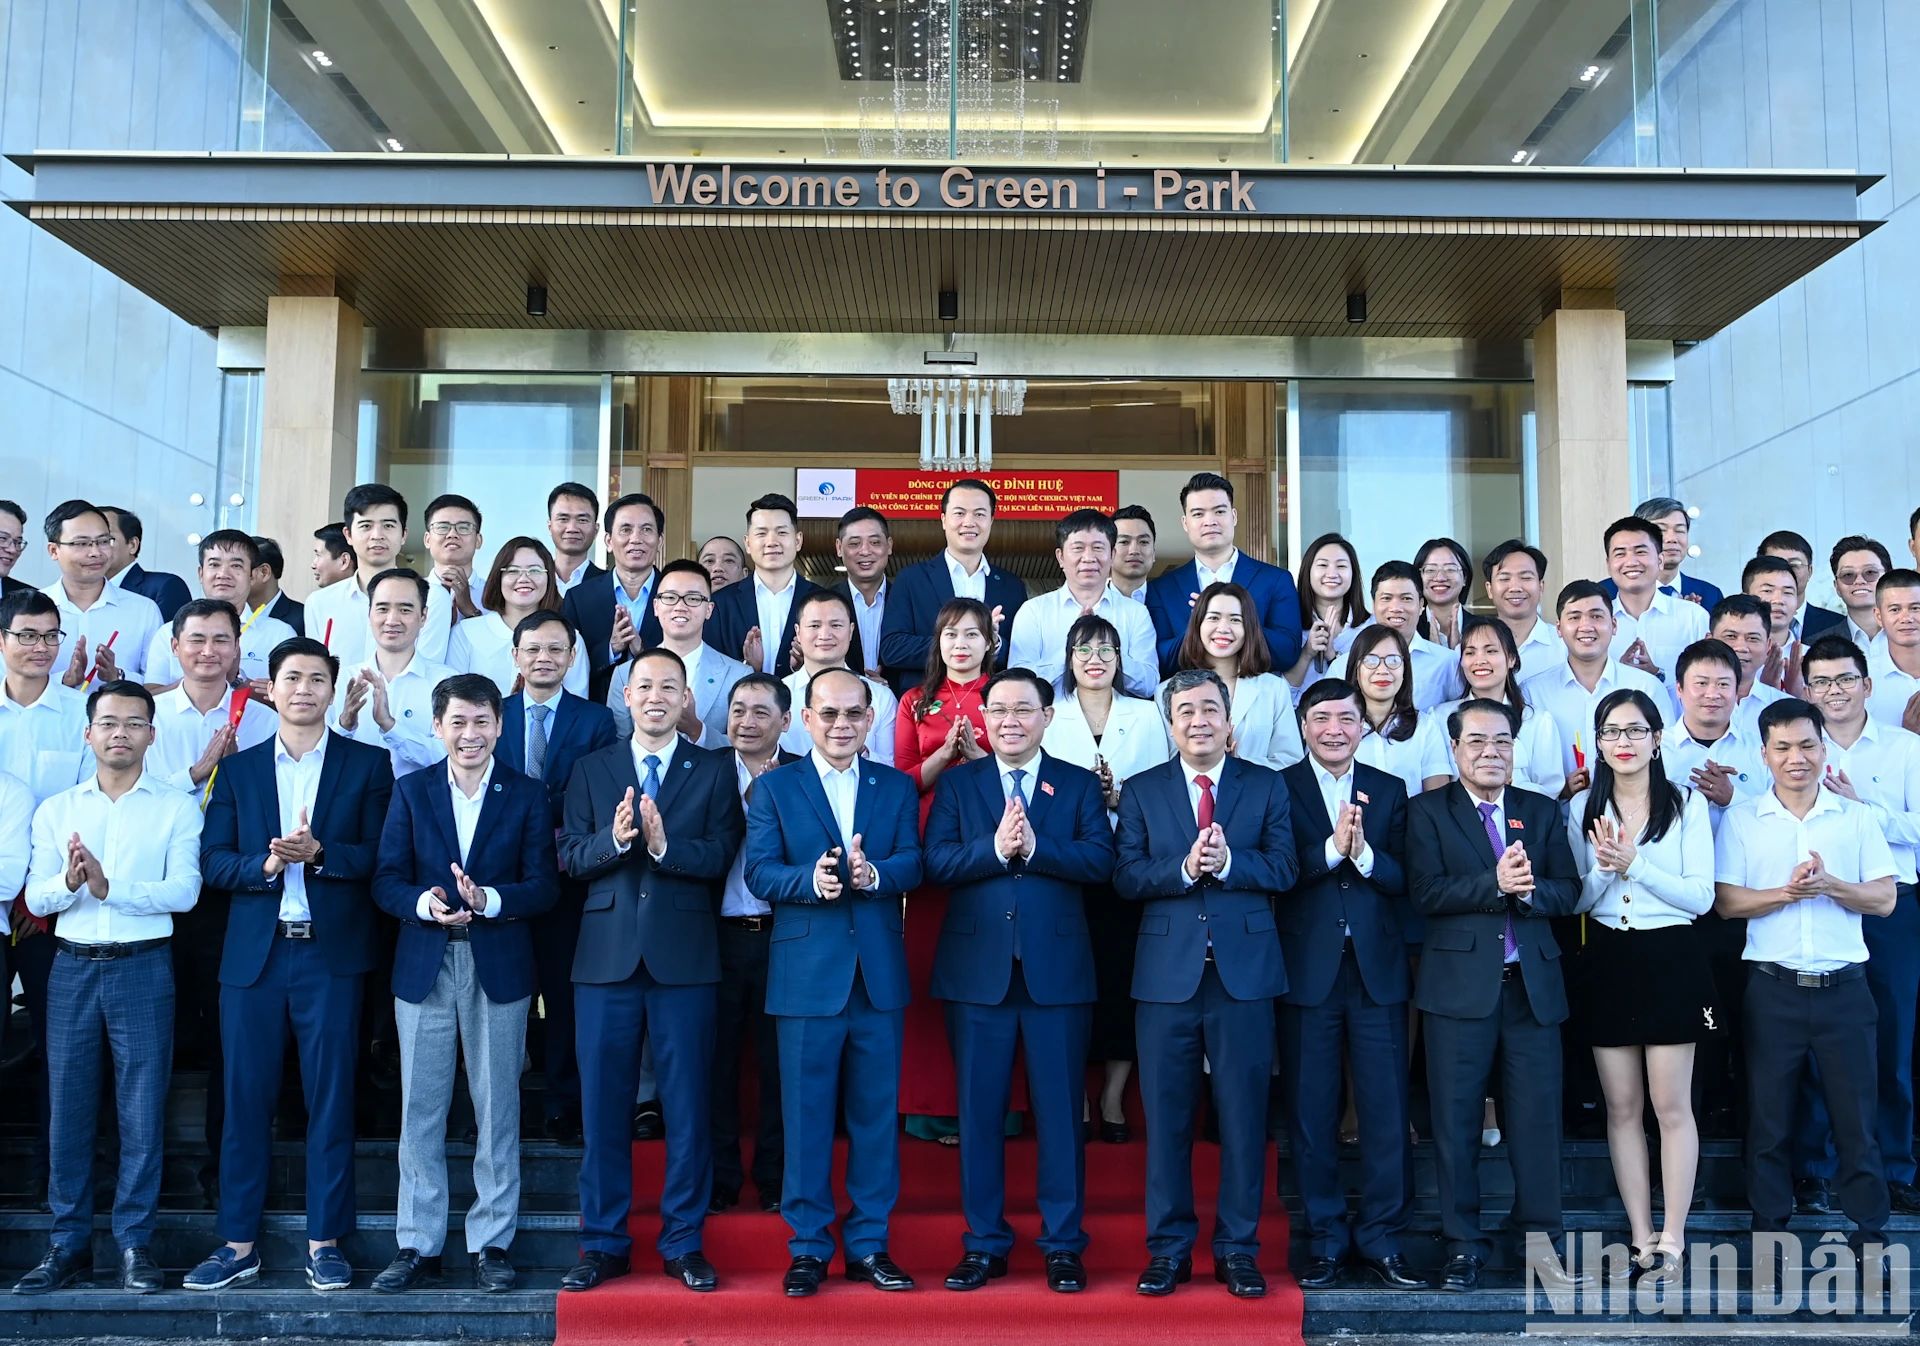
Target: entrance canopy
x=418, y=242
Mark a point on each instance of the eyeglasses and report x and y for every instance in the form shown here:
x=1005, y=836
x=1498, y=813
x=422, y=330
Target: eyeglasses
x=682, y=600
x=1018, y=713
x=12, y=541
x=1480, y=743
x=87, y=543
x=1104, y=653
x=1381, y=661
x=448, y=529
x=49, y=639
x=524, y=573
x=1442, y=572
x=1844, y=682
x=111, y=726
x=1871, y=575
x=1633, y=733
x=830, y=715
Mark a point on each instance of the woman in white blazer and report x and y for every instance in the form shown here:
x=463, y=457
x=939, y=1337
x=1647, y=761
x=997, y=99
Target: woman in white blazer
x=1224, y=634
x=523, y=581
x=1114, y=735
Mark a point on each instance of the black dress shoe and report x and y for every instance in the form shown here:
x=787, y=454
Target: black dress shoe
x=879, y=1271
x=593, y=1268
x=693, y=1270
x=1462, y=1273
x=1392, y=1272
x=646, y=1121
x=565, y=1128
x=139, y=1273
x=1066, y=1273
x=492, y=1271
x=722, y=1200
x=1319, y=1273
x=770, y=1198
x=975, y=1270
x=1163, y=1273
x=1241, y=1275
x=1115, y=1133
x=1904, y=1197
x=804, y=1276
x=57, y=1271
x=407, y=1270
x=1811, y=1197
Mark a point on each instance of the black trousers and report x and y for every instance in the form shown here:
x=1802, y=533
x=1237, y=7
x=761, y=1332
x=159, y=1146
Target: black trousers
x=556, y=934
x=199, y=936
x=32, y=962
x=1836, y=1026
x=743, y=1014
x=1460, y=1061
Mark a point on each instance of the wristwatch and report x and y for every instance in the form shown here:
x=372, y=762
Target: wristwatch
x=319, y=861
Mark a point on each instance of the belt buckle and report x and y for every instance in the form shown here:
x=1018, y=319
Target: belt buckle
x=1809, y=979
x=297, y=929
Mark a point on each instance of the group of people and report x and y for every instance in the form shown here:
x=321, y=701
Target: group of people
x=1227, y=824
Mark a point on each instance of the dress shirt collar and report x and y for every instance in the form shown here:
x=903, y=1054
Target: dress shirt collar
x=1341, y=784
x=531, y=700
x=317, y=754
x=412, y=670
x=175, y=702
x=1214, y=773
x=761, y=587
x=1499, y=805
x=827, y=773
x=1029, y=782
x=1063, y=598
x=143, y=782
x=959, y=572
x=460, y=796
x=860, y=599
x=1768, y=805
x=641, y=752
x=111, y=596
x=49, y=698
x=1733, y=736
x=568, y=581
x=1663, y=603
x=1221, y=574
x=1870, y=732
x=646, y=586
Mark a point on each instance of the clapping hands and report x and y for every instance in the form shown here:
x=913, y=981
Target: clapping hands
x=1208, y=855
x=1515, y=871
x=1613, y=845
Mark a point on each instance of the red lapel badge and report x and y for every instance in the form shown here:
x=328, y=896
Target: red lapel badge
x=1046, y=788
x=1361, y=795
x=1516, y=825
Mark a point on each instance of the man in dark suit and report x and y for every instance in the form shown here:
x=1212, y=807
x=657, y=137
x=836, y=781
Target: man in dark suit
x=754, y=621
x=465, y=859
x=168, y=592
x=961, y=570
x=544, y=730
x=613, y=610
x=1489, y=865
x=1207, y=514
x=292, y=833
x=13, y=542
x=652, y=824
x=834, y=844
x=1016, y=837
x=1809, y=621
x=572, y=509
x=863, y=540
x=263, y=586
x=1206, y=841
x=1347, y=989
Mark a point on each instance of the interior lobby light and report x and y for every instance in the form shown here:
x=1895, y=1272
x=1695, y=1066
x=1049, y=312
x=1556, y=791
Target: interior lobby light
x=324, y=61
x=394, y=145
x=536, y=301
x=1357, y=306
x=1519, y=156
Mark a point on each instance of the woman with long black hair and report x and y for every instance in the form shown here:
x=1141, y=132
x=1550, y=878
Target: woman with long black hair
x=1642, y=991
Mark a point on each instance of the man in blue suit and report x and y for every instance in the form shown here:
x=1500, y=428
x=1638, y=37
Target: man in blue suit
x=544, y=730
x=960, y=571
x=1206, y=841
x=292, y=831
x=613, y=609
x=652, y=824
x=1341, y=932
x=833, y=843
x=754, y=621
x=465, y=859
x=1016, y=837
x=1207, y=514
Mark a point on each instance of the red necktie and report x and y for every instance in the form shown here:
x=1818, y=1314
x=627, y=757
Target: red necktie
x=1204, y=812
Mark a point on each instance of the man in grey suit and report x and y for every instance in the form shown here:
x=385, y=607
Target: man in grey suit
x=682, y=600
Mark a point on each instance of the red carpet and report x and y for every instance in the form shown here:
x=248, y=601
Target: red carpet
x=750, y=1251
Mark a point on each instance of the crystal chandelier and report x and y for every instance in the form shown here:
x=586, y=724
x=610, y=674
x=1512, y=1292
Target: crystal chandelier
x=956, y=417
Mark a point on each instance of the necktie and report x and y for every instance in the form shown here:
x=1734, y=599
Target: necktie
x=1669, y=591
x=651, y=786
x=1511, y=944
x=1019, y=792
x=537, y=742
x=1203, y=812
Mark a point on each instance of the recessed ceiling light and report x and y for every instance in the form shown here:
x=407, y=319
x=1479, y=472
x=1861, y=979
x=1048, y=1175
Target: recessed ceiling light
x=394, y=145
x=1519, y=156
x=324, y=61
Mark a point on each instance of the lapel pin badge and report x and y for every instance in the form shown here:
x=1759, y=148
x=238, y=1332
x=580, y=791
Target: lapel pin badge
x=1361, y=795
x=1045, y=788
x=497, y=787
x=1516, y=825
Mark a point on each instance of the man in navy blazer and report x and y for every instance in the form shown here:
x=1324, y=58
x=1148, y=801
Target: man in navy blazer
x=961, y=570
x=651, y=827
x=1206, y=841
x=544, y=730
x=1341, y=932
x=1016, y=837
x=613, y=609
x=292, y=831
x=754, y=621
x=1207, y=514
x=465, y=858
x=833, y=842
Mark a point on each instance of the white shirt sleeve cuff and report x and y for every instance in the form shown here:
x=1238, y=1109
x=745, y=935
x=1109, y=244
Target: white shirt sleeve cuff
x=1365, y=863
x=658, y=855
x=425, y=906
x=492, y=905
x=1227, y=868
x=1333, y=855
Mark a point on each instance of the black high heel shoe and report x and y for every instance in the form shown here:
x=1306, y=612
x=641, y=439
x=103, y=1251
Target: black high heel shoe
x=1115, y=1133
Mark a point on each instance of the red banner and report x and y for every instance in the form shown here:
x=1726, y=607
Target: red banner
x=1017, y=495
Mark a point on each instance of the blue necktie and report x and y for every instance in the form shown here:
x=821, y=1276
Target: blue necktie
x=537, y=741
x=651, y=786
x=1019, y=793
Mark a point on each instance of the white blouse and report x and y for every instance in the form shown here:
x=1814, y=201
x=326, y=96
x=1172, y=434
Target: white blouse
x=1536, y=751
x=484, y=644
x=1670, y=881
x=1135, y=737
x=1412, y=759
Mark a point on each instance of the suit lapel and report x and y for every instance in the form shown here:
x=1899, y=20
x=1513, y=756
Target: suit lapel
x=1466, y=815
x=1303, y=783
x=1226, y=792
x=942, y=579
x=990, y=791
x=676, y=774
x=864, y=795
x=269, y=797
x=1371, y=819
x=1181, y=803
x=816, y=794
x=1040, y=792
x=440, y=805
x=491, y=808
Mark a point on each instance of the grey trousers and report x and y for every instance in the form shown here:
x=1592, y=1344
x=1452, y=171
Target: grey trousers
x=493, y=1039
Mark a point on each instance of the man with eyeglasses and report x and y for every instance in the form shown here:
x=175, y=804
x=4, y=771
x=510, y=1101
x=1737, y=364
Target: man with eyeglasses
x=1809, y=621
x=107, y=628
x=1083, y=544
x=572, y=509
x=682, y=603
x=1570, y=690
x=1877, y=766
x=613, y=610
x=337, y=616
x=453, y=540
x=115, y=858
x=1651, y=627
x=386, y=701
x=824, y=633
x=228, y=559
x=13, y=541
x=1858, y=563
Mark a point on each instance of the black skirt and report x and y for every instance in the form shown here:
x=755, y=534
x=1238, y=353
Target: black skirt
x=1643, y=988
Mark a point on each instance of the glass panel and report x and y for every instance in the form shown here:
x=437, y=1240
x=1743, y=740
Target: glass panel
x=1391, y=464
x=238, y=470
x=1649, y=439
x=502, y=441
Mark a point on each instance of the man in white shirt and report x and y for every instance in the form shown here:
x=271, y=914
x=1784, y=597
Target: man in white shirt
x=1772, y=581
x=1877, y=766
x=1858, y=563
x=194, y=725
x=1744, y=624
x=1133, y=551
x=1083, y=544
x=759, y=712
x=773, y=545
x=1896, y=672
x=824, y=632
x=1802, y=865
x=115, y=858
x=1712, y=749
x=376, y=525
x=452, y=528
x=573, y=510
x=864, y=541
x=1650, y=627
x=1571, y=690
x=106, y=627
x=387, y=700
x=334, y=561
x=1396, y=603
x=1516, y=577
x=228, y=559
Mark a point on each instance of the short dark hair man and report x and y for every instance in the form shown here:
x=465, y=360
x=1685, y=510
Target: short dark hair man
x=1208, y=517
x=263, y=585
x=725, y=560
x=1135, y=538
x=13, y=545
x=863, y=540
x=572, y=511
x=753, y=621
x=1857, y=564
x=337, y=616
x=1809, y=621
x=1083, y=549
x=1675, y=522
x=334, y=559
x=961, y=570
x=1516, y=579
x=167, y=591
x=613, y=610
x=1896, y=672
x=107, y=626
